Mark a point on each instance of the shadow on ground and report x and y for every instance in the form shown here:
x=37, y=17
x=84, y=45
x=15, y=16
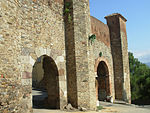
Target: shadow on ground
x=141, y=102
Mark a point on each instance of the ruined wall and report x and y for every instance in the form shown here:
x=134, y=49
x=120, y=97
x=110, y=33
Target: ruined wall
x=102, y=44
x=28, y=29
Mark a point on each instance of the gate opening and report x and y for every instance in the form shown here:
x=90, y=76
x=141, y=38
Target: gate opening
x=45, y=84
x=102, y=82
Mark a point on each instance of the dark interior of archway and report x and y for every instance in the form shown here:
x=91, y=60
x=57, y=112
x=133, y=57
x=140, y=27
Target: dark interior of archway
x=103, y=81
x=47, y=90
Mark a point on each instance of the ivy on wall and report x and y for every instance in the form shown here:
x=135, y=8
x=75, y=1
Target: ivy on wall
x=67, y=11
x=92, y=38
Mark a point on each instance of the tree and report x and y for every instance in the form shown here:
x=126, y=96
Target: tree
x=140, y=80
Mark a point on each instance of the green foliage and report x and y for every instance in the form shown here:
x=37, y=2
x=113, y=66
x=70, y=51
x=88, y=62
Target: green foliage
x=67, y=7
x=92, y=38
x=69, y=18
x=99, y=107
x=140, y=79
x=100, y=54
x=67, y=11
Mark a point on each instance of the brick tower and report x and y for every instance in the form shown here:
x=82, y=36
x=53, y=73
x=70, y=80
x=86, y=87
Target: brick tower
x=119, y=47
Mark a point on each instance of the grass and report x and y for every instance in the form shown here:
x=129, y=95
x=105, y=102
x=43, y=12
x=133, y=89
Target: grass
x=99, y=107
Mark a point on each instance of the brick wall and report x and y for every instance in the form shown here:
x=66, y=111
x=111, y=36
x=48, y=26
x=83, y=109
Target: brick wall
x=102, y=44
x=101, y=31
x=118, y=37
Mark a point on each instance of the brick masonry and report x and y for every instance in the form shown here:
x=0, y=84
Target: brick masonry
x=31, y=29
x=118, y=37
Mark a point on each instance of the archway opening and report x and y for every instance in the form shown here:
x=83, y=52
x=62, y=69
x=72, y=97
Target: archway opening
x=45, y=83
x=102, y=81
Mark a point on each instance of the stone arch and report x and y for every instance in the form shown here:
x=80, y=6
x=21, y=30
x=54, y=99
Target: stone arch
x=45, y=77
x=98, y=60
x=102, y=71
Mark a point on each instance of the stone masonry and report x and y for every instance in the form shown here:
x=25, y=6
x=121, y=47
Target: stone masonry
x=46, y=43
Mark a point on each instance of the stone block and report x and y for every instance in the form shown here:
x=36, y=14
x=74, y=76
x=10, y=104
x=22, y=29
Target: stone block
x=60, y=59
x=32, y=61
x=48, y=51
x=61, y=72
x=25, y=59
x=40, y=51
x=26, y=75
x=26, y=81
x=1, y=38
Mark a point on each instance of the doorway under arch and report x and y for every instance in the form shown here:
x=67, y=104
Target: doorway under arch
x=45, y=80
x=102, y=81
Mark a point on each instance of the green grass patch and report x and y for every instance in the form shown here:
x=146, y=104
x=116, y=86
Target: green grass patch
x=99, y=107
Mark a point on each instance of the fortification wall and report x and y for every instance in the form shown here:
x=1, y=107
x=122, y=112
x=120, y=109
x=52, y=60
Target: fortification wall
x=101, y=31
x=28, y=30
x=102, y=44
x=31, y=29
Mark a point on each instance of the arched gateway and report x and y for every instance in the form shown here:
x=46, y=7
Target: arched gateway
x=102, y=81
x=45, y=78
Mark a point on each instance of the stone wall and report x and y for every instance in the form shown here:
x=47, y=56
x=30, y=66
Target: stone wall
x=102, y=44
x=80, y=65
x=13, y=96
x=28, y=30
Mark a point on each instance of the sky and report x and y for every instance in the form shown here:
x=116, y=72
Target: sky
x=137, y=13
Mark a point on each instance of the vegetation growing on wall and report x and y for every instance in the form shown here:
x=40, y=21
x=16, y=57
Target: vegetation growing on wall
x=92, y=38
x=140, y=81
x=67, y=11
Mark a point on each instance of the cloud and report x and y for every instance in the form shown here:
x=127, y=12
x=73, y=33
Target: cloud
x=143, y=56
x=145, y=59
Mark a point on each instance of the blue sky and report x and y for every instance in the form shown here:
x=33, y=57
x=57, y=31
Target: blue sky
x=137, y=13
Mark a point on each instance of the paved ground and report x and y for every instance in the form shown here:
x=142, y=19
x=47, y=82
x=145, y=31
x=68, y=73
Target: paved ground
x=107, y=107
x=125, y=108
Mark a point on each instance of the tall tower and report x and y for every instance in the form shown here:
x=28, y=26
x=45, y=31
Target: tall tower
x=119, y=47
